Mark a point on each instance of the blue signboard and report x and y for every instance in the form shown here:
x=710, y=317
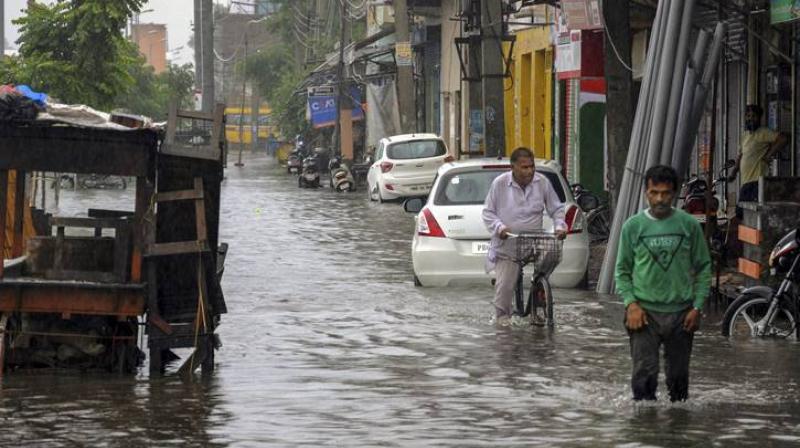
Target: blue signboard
x=323, y=109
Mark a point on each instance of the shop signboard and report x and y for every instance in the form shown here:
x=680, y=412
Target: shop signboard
x=568, y=55
x=322, y=109
x=403, y=54
x=781, y=11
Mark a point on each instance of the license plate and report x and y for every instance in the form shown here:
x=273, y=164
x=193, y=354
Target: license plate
x=480, y=247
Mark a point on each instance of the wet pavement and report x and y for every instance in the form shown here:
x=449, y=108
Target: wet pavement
x=328, y=343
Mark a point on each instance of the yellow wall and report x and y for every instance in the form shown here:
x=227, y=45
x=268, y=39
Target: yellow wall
x=529, y=93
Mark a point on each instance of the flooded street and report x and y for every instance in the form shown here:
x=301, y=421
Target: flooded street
x=328, y=343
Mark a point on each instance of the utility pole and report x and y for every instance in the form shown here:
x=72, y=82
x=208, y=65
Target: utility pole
x=241, y=112
x=204, y=51
x=3, y=28
x=405, y=75
x=344, y=129
x=619, y=92
x=492, y=75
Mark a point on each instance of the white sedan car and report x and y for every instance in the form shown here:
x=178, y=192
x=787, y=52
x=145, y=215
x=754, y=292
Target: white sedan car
x=405, y=166
x=451, y=241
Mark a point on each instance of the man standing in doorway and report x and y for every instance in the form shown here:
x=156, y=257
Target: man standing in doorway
x=759, y=145
x=663, y=274
x=514, y=204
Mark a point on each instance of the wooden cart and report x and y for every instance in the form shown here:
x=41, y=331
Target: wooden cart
x=158, y=263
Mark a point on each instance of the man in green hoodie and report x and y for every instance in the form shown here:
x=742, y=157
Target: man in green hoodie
x=663, y=274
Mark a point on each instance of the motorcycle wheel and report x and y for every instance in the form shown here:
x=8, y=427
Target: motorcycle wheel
x=747, y=310
x=598, y=222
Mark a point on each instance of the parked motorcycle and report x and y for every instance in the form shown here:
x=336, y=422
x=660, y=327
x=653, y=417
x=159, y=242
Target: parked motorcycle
x=761, y=311
x=310, y=172
x=598, y=215
x=341, y=179
x=294, y=163
x=694, y=194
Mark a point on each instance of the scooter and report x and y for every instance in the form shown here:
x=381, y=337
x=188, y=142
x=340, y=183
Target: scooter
x=309, y=175
x=341, y=178
x=294, y=163
x=761, y=311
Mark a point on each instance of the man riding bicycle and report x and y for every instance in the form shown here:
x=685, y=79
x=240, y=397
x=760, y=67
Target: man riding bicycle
x=514, y=204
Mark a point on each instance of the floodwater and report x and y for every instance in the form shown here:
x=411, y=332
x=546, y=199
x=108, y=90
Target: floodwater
x=328, y=343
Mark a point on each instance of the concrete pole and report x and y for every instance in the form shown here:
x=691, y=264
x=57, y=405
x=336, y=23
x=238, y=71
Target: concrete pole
x=198, y=54
x=342, y=99
x=207, y=56
x=619, y=92
x=492, y=75
x=405, y=77
x=3, y=27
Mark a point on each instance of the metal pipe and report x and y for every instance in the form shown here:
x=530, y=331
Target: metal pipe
x=605, y=284
x=677, y=83
x=664, y=83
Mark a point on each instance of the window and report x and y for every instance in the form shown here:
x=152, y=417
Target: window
x=416, y=149
x=471, y=187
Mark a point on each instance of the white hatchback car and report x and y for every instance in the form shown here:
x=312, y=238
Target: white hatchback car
x=405, y=166
x=451, y=240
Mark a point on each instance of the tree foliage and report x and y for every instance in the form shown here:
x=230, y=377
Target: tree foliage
x=75, y=51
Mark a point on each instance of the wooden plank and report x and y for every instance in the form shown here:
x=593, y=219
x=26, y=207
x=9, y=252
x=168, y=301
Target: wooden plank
x=19, y=214
x=114, y=214
x=750, y=268
x=208, y=152
x=178, y=248
x=750, y=235
x=160, y=323
x=195, y=115
x=82, y=276
x=172, y=122
x=84, y=301
x=58, y=257
x=122, y=244
x=200, y=211
x=66, y=149
x=195, y=360
x=3, y=208
x=90, y=223
x=180, y=195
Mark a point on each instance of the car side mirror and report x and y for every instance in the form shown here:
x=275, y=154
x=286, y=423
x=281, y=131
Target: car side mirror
x=413, y=205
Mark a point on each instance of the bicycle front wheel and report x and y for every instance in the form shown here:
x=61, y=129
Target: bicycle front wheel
x=743, y=319
x=545, y=299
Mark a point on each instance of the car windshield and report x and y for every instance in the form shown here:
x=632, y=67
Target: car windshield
x=416, y=149
x=471, y=187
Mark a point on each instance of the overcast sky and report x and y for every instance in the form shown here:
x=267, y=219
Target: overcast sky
x=176, y=14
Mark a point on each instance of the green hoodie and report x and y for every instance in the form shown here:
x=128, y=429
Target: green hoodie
x=663, y=263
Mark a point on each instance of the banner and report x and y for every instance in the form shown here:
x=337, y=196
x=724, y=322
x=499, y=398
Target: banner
x=322, y=109
x=781, y=11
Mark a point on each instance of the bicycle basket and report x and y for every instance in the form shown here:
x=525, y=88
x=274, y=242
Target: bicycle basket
x=543, y=250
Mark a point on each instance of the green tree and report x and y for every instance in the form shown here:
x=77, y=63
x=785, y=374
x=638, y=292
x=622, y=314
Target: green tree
x=151, y=93
x=75, y=51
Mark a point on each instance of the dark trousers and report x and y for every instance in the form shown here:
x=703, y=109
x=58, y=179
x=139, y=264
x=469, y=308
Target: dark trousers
x=662, y=329
x=748, y=193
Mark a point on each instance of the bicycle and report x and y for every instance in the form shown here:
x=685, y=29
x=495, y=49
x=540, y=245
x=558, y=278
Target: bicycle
x=543, y=250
